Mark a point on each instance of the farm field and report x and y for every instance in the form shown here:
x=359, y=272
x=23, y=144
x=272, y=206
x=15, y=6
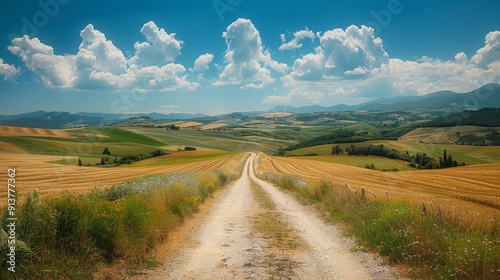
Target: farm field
x=36, y=172
x=467, y=195
x=236, y=141
x=445, y=135
x=379, y=163
x=49, y=164
x=27, y=131
x=462, y=153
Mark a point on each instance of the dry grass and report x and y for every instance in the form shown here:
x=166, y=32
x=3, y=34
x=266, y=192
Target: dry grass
x=27, y=131
x=188, y=124
x=212, y=126
x=36, y=172
x=275, y=115
x=469, y=196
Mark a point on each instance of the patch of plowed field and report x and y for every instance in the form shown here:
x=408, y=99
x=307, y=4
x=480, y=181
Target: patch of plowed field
x=37, y=173
x=213, y=126
x=28, y=131
x=469, y=195
x=189, y=124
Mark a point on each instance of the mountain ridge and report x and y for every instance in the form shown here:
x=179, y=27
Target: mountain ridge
x=482, y=97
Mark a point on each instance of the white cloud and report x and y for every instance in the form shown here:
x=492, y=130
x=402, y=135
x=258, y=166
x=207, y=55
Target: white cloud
x=247, y=63
x=490, y=52
x=100, y=54
x=461, y=58
x=431, y=75
x=159, y=49
x=277, y=99
x=297, y=37
x=8, y=71
x=54, y=70
x=202, y=62
x=99, y=65
x=355, y=64
x=169, y=106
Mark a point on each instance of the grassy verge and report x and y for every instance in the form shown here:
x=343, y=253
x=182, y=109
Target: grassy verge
x=66, y=236
x=430, y=246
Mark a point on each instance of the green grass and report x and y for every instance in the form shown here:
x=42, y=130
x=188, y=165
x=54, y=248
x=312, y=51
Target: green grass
x=427, y=245
x=122, y=135
x=222, y=140
x=118, y=141
x=66, y=236
x=72, y=147
x=461, y=153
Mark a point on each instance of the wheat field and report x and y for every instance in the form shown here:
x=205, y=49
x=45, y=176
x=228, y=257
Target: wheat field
x=36, y=172
x=469, y=195
x=28, y=131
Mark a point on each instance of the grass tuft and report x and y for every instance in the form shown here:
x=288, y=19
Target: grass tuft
x=432, y=246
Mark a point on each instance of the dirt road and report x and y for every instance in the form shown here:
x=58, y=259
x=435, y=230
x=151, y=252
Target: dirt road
x=252, y=230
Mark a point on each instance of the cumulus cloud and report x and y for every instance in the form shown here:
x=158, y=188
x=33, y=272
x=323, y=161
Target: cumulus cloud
x=159, y=49
x=355, y=65
x=202, y=62
x=100, y=65
x=342, y=54
x=297, y=37
x=100, y=54
x=8, y=71
x=490, y=53
x=247, y=63
x=54, y=70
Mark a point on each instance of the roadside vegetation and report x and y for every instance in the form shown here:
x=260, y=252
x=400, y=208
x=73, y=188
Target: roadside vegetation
x=67, y=236
x=425, y=244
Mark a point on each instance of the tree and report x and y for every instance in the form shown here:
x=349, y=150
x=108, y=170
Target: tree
x=102, y=161
x=106, y=151
x=337, y=150
x=79, y=162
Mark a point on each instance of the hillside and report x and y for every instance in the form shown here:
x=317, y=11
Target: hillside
x=483, y=117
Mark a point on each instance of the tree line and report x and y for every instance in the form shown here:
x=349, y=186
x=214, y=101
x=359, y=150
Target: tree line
x=419, y=160
x=125, y=159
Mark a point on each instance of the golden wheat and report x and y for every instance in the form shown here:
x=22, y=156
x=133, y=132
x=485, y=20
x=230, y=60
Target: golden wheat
x=36, y=172
x=469, y=195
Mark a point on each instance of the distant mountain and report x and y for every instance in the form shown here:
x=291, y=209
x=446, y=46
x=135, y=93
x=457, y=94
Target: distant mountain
x=484, y=97
x=53, y=120
x=21, y=116
x=158, y=116
x=43, y=119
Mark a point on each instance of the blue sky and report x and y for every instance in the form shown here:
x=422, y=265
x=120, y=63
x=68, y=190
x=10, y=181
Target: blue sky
x=220, y=56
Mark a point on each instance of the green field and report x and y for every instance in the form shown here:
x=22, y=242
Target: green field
x=238, y=140
x=461, y=153
x=445, y=135
x=89, y=143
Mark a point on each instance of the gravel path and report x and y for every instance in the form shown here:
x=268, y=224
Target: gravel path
x=231, y=240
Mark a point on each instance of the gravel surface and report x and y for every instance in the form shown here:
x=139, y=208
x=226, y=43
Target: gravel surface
x=221, y=243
